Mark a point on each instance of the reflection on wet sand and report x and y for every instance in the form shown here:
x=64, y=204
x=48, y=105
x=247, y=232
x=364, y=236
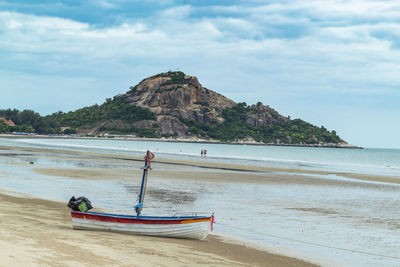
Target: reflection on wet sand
x=172, y=196
x=207, y=166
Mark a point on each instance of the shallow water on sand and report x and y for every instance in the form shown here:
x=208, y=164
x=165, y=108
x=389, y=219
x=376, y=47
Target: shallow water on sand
x=332, y=222
x=369, y=160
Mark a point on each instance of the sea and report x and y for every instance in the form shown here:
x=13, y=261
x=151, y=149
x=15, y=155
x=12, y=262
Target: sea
x=338, y=222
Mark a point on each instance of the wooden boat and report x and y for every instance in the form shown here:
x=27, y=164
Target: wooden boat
x=194, y=227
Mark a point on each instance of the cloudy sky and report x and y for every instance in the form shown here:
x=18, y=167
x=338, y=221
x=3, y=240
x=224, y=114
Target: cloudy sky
x=332, y=63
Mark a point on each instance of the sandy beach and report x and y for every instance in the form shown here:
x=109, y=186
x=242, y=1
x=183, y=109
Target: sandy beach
x=38, y=232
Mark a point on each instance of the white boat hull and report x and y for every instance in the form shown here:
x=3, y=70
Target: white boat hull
x=194, y=227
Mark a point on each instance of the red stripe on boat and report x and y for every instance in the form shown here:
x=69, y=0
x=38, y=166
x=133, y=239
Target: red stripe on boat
x=112, y=219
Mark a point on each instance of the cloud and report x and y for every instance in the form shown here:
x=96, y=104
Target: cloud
x=106, y=4
x=284, y=53
x=296, y=34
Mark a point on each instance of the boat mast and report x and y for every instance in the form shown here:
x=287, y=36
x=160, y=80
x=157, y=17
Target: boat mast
x=147, y=160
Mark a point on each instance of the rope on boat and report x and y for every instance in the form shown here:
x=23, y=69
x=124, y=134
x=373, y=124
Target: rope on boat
x=325, y=246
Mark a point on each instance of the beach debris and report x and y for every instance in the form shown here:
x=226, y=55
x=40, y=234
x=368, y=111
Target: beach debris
x=79, y=204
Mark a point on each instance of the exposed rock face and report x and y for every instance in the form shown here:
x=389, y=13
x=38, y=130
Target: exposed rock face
x=163, y=94
x=174, y=95
x=261, y=115
x=144, y=124
x=170, y=126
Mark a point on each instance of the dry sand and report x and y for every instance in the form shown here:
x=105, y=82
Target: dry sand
x=36, y=232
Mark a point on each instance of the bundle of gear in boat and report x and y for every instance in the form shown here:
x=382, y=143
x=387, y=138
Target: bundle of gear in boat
x=79, y=204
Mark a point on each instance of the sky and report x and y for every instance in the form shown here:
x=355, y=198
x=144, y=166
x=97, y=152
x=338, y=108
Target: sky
x=331, y=63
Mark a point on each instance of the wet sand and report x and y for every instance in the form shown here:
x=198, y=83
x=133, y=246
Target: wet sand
x=250, y=171
x=36, y=232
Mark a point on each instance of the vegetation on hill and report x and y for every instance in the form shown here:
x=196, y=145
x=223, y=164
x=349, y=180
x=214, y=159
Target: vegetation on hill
x=177, y=77
x=25, y=121
x=236, y=128
x=116, y=109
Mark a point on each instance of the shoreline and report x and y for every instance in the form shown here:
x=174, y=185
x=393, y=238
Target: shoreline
x=222, y=166
x=182, y=140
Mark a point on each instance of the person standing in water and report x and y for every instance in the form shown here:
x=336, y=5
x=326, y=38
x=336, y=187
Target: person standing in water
x=205, y=153
x=201, y=153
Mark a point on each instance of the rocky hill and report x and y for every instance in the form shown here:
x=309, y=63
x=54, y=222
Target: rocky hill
x=176, y=105
x=176, y=98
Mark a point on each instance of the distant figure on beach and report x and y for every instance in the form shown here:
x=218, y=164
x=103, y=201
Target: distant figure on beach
x=201, y=153
x=205, y=153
